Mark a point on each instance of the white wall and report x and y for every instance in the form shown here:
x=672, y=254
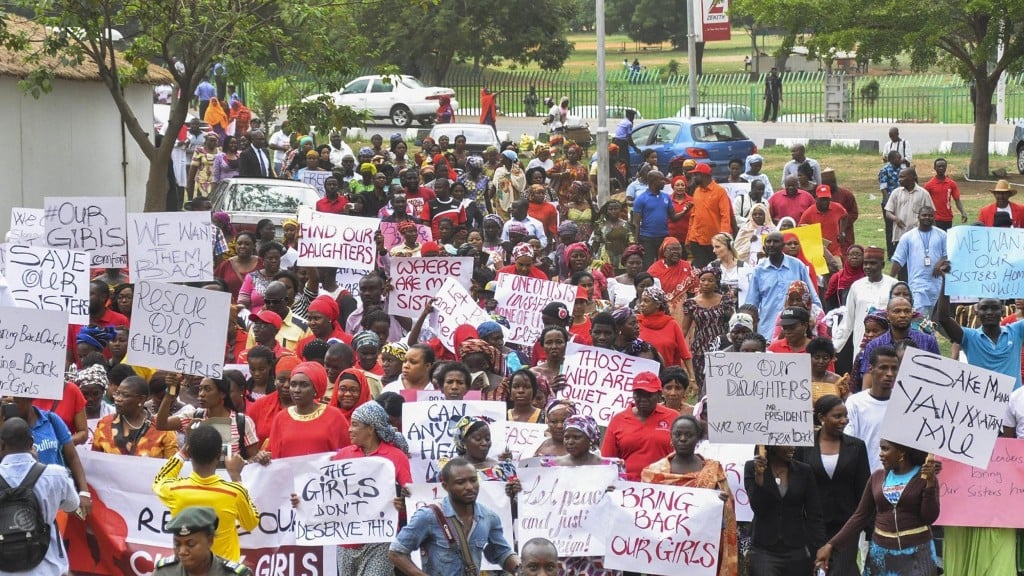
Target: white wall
x=69, y=143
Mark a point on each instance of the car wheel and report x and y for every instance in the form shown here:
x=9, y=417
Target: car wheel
x=1020, y=158
x=401, y=116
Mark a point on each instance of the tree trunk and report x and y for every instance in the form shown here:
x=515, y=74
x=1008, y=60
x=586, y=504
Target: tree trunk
x=982, y=117
x=156, y=185
x=700, y=58
x=755, y=65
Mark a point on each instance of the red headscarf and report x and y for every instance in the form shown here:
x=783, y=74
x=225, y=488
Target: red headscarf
x=788, y=237
x=316, y=374
x=364, y=390
x=439, y=159
x=847, y=276
x=463, y=332
x=676, y=278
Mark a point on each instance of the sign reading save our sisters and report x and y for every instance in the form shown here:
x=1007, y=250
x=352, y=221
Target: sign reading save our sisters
x=170, y=246
x=759, y=398
x=346, y=502
x=337, y=241
x=521, y=299
x=600, y=381
x=49, y=279
x=985, y=261
x=946, y=407
x=33, y=352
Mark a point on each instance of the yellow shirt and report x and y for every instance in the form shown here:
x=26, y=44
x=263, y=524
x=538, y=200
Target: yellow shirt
x=292, y=330
x=230, y=499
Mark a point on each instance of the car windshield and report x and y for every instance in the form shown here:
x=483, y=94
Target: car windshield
x=269, y=198
x=717, y=132
x=410, y=82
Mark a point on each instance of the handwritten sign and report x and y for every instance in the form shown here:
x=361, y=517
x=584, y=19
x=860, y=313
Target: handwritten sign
x=33, y=352
x=170, y=246
x=93, y=224
x=601, y=381
x=666, y=529
x=50, y=279
x=416, y=280
x=315, y=178
x=179, y=329
x=347, y=502
x=732, y=457
x=946, y=407
x=429, y=429
x=985, y=261
x=27, y=227
x=453, y=307
x=523, y=439
x=336, y=240
x=760, y=398
x=520, y=300
x=556, y=501
x=984, y=497
x=392, y=237
x=492, y=495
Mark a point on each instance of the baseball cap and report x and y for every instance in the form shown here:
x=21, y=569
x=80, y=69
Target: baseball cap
x=647, y=382
x=490, y=286
x=794, y=315
x=556, y=310
x=823, y=191
x=701, y=169
x=741, y=319
x=689, y=164
x=267, y=317
x=581, y=293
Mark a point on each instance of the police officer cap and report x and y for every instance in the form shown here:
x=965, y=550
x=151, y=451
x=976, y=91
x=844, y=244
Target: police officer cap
x=193, y=520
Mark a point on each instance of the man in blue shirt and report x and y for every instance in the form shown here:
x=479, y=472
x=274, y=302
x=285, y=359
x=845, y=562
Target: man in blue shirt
x=770, y=281
x=889, y=180
x=900, y=313
x=921, y=252
x=464, y=519
x=992, y=347
x=623, y=138
x=652, y=210
x=203, y=93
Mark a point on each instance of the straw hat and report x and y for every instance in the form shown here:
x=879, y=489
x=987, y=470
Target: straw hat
x=1004, y=186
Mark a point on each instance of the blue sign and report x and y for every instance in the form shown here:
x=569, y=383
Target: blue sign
x=986, y=262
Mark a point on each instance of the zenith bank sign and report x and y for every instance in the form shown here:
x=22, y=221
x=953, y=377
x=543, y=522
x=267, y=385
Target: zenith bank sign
x=714, y=20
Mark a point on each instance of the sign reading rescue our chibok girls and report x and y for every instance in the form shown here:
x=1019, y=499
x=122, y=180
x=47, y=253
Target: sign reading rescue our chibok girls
x=985, y=260
x=414, y=281
x=946, y=407
x=170, y=246
x=521, y=299
x=600, y=381
x=93, y=224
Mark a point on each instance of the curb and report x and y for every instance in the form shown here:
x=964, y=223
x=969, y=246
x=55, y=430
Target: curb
x=997, y=148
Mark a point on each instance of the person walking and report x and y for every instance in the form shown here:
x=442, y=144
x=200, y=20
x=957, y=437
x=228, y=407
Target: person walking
x=772, y=95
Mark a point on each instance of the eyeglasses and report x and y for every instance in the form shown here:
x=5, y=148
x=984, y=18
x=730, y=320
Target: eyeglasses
x=124, y=298
x=273, y=301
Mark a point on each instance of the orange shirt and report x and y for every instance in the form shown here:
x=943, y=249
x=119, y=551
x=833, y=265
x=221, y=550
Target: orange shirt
x=711, y=214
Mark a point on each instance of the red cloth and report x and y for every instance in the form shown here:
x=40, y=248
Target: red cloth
x=680, y=228
x=639, y=444
x=663, y=333
x=671, y=278
x=511, y=269
x=227, y=273
x=290, y=437
x=364, y=391
x=488, y=106
x=943, y=192
x=403, y=474
x=336, y=207
x=72, y=403
x=582, y=333
x=780, y=205
x=419, y=202
x=109, y=319
x=546, y=214
x=829, y=224
x=847, y=200
x=263, y=411
x=988, y=213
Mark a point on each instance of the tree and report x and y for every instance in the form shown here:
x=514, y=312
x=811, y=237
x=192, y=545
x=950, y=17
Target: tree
x=196, y=34
x=789, y=18
x=653, y=22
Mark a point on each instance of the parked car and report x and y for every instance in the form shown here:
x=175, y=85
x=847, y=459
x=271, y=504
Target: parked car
x=401, y=99
x=719, y=110
x=709, y=141
x=249, y=200
x=1017, y=145
x=478, y=136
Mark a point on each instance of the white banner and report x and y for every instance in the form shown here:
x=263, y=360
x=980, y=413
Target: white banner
x=337, y=241
x=33, y=353
x=732, y=457
x=523, y=439
x=662, y=529
x=49, y=279
x=347, y=502
x=521, y=299
x=453, y=306
x=492, y=495
x=556, y=501
x=601, y=381
x=947, y=407
x=416, y=280
x=27, y=227
x=760, y=398
x=93, y=224
x=429, y=429
x=170, y=246
x=179, y=329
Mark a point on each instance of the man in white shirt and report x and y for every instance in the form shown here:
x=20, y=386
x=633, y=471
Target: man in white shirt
x=339, y=149
x=872, y=291
x=280, y=142
x=744, y=201
x=799, y=155
x=53, y=488
x=897, y=144
x=866, y=409
x=1013, y=421
x=905, y=203
x=519, y=214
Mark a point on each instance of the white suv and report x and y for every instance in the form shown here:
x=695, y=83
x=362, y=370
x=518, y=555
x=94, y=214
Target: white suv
x=400, y=98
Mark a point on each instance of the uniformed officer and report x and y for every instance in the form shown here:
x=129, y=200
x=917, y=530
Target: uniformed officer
x=193, y=529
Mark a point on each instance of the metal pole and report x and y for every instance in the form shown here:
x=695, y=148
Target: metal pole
x=691, y=53
x=603, y=191
x=1001, y=84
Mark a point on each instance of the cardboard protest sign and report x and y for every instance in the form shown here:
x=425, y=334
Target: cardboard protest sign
x=523, y=439
x=416, y=280
x=348, y=279
x=759, y=398
x=315, y=178
x=601, y=381
x=812, y=246
x=985, y=261
x=556, y=501
x=33, y=352
x=170, y=246
x=179, y=329
x=347, y=502
x=492, y=495
x=453, y=306
x=49, y=279
x=337, y=241
x=947, y=407
x=392, y=237
x=668, y=530
x=984, y=497
x=127, y=520
x=429, y=428
x=732, y=457
x=434, y=395
x=93, y=224
x=27, y=227
x=521, y=299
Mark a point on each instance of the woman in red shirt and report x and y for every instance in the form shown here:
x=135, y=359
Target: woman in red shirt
x=522, y=258
x=308, y=427
x=661, y=330
x=265, y=409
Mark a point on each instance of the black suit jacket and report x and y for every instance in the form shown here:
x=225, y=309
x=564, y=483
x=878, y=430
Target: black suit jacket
x=841, y=493
x=249, y=165
x=787, y=522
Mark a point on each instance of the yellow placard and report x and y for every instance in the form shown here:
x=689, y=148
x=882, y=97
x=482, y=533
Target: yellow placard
x=810, y=242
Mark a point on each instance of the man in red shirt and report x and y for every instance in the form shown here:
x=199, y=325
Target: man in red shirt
x=710, y=215
x=831, y=216
x=641, y=434
x=332, y=202
x=942, y=190
x=791, y=203
x=418, y=197
x=846, y=199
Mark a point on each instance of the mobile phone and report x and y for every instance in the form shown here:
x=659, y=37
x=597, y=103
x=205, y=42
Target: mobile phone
x=9, y=411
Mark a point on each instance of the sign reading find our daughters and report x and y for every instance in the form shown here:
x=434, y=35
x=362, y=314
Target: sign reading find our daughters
x=416, y=280
x=337, y=241
x=600, y=381
x=759, y=398
x=346, y=502
x=170, y=246
x=179, y=329
x=49, y=279
x=33, y=352
x=521, y=299
x=94, y=224
x=947, y=407
x=985, y=260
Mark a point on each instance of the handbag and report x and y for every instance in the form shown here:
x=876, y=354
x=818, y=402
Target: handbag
x=453, y=531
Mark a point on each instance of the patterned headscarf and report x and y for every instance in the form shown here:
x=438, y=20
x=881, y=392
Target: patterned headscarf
x=658, y=296
x=485, y=329
x=522, y=249
x=223, y=219
x=560, y=403
x=716, y=271
x=366, y=151
x=475, y=345
x=96, y=337
x=799, y=289
x=365, y=338
x=586, y=425
x=95, y=375
x=621, y=315
x=406, y=225
x=638, y=347
x=395, y=349
x=878, y=315
x=373, y=414
x=494, y=218
x=368, y=167
x=475, y=162
x=517, y=228
x=466, y=426
x=568, y=227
